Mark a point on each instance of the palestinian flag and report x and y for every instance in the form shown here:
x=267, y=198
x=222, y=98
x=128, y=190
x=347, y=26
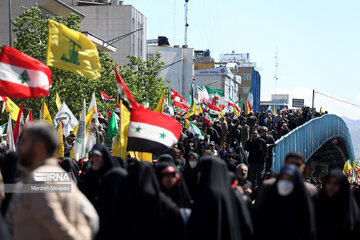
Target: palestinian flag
x=179, y=101
x=106, y=98
x=22, y=76
x=151, y=131
x=207, y=119
x=196, y=131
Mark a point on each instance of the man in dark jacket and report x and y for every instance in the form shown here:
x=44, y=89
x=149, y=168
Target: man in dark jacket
x=257, y=158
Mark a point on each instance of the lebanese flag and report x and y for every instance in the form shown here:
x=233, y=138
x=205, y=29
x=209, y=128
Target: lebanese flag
x=29, y=119
x=106, y=98
x=232, y=104
x=22, y=76
x=19, y=123
x=179, y=101
x=151, y=131
x=207, y=119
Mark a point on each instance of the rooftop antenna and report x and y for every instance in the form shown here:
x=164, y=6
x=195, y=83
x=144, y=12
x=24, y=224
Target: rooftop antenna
x=186, y=21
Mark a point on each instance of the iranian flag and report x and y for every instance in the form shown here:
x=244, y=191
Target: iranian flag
x=106, y=98
x=22, y=76
x=196, y=131
x=231, y=103
x=179, y=101
x=250, y=100
x=151, y=131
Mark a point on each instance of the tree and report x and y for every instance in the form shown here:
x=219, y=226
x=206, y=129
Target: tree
x=31, y=30
x=142, y=79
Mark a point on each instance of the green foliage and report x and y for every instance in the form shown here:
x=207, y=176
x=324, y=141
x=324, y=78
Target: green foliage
x=31, y=29
x=142, y=79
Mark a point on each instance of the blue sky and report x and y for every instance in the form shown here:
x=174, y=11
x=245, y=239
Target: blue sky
x=318, y=41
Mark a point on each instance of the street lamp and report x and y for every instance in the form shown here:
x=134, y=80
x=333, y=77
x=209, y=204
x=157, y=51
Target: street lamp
x=114, y=40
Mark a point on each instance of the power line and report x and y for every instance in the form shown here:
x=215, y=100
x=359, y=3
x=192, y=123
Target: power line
x=337, y=99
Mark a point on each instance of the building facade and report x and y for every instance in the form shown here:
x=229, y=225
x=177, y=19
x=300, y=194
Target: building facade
x=101, y=21
x=219, y=78
x=179, y=67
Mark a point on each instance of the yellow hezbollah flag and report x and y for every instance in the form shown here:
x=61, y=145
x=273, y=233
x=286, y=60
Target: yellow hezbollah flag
x=12, y=108
x=45, y=115
x=72, y=51
x=275, y=114
x=57, y=101
x=237, y=113
x=191, y=111
x=187, y=124
x=60, y=150
x=160, y=106
x=142, y=156
x=347, y=167
x=120, y=144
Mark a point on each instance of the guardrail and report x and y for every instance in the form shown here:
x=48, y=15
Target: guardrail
x=309, y=137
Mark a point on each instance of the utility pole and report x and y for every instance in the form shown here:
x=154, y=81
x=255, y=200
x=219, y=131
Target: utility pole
x=186, y=21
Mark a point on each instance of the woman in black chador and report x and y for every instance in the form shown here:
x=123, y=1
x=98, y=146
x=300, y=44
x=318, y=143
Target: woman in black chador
x=215, y=214
x=286, y=210
x=337, y=213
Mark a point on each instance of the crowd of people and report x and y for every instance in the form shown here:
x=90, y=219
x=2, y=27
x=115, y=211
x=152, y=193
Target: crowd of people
x=218, y=186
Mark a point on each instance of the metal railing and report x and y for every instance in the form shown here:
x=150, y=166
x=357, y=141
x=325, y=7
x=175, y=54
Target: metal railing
x=309, y=137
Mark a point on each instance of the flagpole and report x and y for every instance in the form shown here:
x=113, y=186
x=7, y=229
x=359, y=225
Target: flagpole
x=10, y=29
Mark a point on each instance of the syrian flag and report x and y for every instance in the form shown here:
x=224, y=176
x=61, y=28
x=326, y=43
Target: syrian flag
x=29, y=119
x=106, y=98
x=196, y=131
x=151, y=131
x=207, y=119
x=232, y=104
x=250, y=100
x=22, y=76
x=19, y=123
x=213, y=110
x=179, y=101
x=204, y=107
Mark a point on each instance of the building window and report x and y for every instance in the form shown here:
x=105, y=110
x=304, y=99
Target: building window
x=246, y=76
x=246, y=90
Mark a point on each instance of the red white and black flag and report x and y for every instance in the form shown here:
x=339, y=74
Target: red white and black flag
x=151, y=131
x=22, y=76
x=106, y=98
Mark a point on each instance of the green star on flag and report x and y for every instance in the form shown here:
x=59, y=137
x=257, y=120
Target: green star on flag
x=162, y=135
x=138, y=129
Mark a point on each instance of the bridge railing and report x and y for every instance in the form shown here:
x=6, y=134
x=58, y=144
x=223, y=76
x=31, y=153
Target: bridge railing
x=309, y=137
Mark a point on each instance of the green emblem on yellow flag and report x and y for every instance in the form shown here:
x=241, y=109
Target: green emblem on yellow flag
x=72, y=51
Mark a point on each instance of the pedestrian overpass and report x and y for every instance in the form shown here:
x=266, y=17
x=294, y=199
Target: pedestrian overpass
x=326, y=137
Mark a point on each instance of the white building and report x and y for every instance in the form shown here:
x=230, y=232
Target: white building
x=220, y=78
x=179, y=67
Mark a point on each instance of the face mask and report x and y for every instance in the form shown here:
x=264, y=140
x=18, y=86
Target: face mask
x=285, y=187
x=193, y=164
